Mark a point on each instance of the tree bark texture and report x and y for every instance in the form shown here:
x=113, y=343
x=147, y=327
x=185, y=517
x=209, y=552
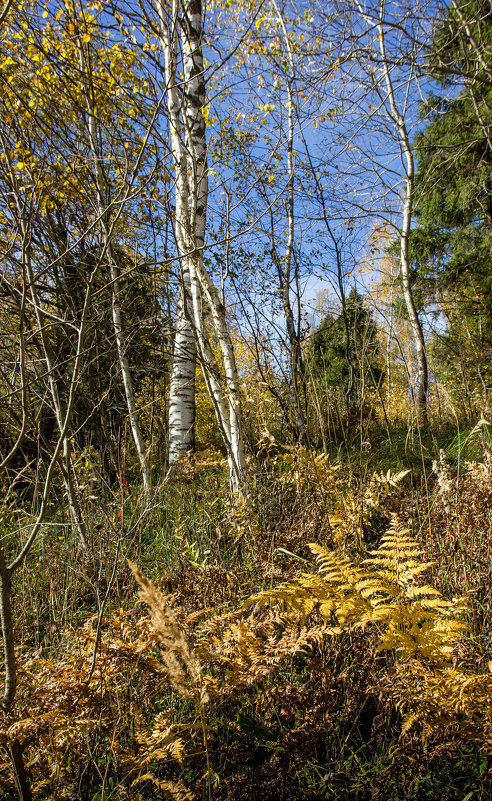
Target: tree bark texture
x=421, y=378
x=181, y=25
x=181, y=436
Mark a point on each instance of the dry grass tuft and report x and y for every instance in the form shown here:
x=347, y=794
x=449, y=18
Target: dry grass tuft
x=180, y=662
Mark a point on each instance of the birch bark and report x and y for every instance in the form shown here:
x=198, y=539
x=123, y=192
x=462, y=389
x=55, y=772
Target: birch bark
x=421, y=379
x=181, y=27
x=285, y=275
x=181, y=434
x=396, y=113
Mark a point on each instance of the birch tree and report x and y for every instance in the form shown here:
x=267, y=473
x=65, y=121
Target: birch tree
x=258, y=136
x=286, y=267
x=181, y=415
x=181, y=34
x=396, y=113
x=386, y=91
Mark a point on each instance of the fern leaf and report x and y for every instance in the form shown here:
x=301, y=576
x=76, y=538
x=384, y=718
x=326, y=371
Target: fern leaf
x=408, y=722
x=176, y=791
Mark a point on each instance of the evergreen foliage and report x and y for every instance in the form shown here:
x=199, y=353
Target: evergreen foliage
x=451, y=245
x=345, y=350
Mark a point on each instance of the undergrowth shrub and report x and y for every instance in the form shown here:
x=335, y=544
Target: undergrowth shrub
x=459, y=536
x=359, y=679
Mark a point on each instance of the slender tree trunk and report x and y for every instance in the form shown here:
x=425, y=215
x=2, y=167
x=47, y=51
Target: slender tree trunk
x=61, y=417
x=295, y=356
x=285, y=270
x=181, y=431
x=421, y=379
x=126, y=375
x=115, y=276
x=14, y=748
x=389, y=339
x=22, y=783
x=7, y=633
x=182, y=24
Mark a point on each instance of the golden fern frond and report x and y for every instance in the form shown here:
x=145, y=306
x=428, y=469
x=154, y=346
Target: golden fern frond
x=416, y=631
x=161, y=746
x=289, y=596
x=161, y=743
x=376, y=613
x=376, y=587
x=426, y=591
x=176, y=791
x=390, y=479
x=380, y=486
x=408, y=722
x=398, y=554
x=336, y=568
x=307, y=466
x=334, y=596
x=351, y=609
x=439, y=696
x=415, y=620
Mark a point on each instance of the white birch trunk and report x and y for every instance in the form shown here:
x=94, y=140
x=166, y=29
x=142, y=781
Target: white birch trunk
x=189, y=151
x=421, y=379
x=295, y=355
x=181, y=435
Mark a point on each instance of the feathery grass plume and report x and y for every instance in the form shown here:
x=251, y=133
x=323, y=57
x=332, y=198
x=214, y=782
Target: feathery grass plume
x=180, y=662
x=184, y=671
x=65, y=700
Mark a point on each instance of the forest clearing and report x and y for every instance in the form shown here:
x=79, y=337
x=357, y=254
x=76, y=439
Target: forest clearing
x=245, y=410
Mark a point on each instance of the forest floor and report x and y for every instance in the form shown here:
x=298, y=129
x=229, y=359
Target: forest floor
x=359, y=668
